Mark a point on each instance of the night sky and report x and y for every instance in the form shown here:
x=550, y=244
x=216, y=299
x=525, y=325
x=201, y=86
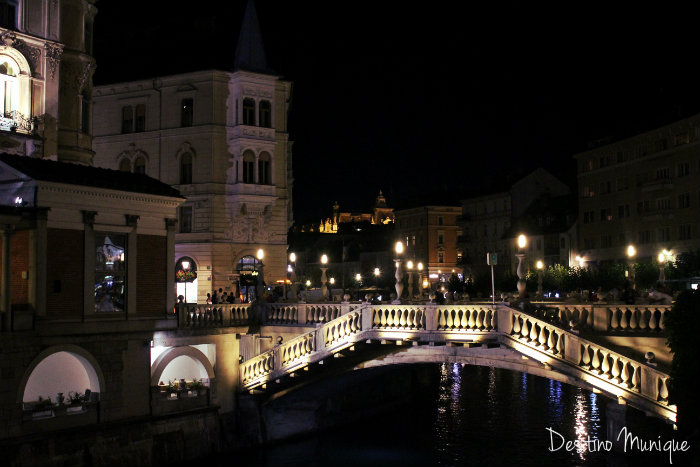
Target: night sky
x=434, y=102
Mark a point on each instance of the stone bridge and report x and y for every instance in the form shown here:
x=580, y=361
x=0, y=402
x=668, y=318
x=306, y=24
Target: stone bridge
x=602, y=348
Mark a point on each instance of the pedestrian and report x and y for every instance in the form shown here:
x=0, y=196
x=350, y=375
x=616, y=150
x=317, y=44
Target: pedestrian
x=208, y=298
x=214, y=298
x=224, y=298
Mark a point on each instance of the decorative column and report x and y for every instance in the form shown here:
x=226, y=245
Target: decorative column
x=170, y=226
x=131, y=263
x=89, y=262
x=5, y=289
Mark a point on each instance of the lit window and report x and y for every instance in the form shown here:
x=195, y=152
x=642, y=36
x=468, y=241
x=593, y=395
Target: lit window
x=110, y=272
x=9, y=87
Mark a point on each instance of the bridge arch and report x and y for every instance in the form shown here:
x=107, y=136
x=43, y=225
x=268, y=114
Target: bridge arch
x=60, y=368
x=189, y=361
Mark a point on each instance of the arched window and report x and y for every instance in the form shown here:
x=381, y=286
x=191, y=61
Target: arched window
x=125, y=165
x=264, y=176
x=9, y=88
x=140, y=122
x=140, y=165
x=127, y=119
x=249, y=111
x=248, y=167
x=186, y=112
x=265, y=114
x=186, y=168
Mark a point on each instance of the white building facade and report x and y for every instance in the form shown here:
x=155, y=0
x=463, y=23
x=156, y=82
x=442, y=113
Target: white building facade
x=220, y=138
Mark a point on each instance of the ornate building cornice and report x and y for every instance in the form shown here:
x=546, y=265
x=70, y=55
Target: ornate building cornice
x=53, y=56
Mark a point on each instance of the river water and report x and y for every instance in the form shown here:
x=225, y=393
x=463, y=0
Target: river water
x=473, y=416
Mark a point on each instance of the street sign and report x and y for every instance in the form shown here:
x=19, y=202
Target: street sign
x=491, y=259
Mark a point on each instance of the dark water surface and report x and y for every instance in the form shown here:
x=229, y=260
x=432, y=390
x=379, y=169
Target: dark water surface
x=472, y=416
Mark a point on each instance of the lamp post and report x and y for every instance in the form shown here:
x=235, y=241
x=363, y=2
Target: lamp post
x=293, y=274
x=377, y=272
x=522, y=286
x=409, y=267
x=358, y=279
x=421, y=286
x=185, y=267
x=330, y=290
x=261, y=274
x=631, y=253
x=324, y=279
x=540, y=273
x=398, y=248
x=662, y=264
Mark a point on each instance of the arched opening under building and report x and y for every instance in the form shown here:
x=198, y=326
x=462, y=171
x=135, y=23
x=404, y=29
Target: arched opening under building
x=60, y=373
x=248, y=273
x=186, y=283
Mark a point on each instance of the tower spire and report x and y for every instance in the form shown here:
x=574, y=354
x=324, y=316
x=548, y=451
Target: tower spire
x=250, y=53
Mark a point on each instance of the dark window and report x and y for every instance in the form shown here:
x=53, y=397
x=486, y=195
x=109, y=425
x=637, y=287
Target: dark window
x=140, y=165
x=186, y=168
x=264, y=169
x=125, y=165
x=248, y=111
x=265, y=114
x=110, y=272
x=186, y=112
x=185, y=219
x=248, y=168
x=127, y=119
x=140, y=123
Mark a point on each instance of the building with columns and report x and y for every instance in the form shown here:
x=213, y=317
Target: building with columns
x=46, y=71
x=219, y=137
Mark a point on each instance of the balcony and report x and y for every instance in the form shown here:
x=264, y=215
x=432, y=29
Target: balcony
x=16, y=122
x=256, y=132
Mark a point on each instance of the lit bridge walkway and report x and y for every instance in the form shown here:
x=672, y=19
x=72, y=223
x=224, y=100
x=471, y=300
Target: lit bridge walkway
x=576, y=344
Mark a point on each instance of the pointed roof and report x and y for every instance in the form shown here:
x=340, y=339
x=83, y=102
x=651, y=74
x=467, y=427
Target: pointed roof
x=250, y=53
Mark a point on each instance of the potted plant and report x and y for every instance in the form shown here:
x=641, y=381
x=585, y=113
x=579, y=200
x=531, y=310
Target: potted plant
x=195, y=386
x=43, y=408
x=172, y=388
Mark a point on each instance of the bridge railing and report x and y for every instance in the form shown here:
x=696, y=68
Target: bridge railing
x=621, y=372
x=192, y=315
x=606, y=318
x=304, y=314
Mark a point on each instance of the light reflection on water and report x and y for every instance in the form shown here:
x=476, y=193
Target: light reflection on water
x=464, y=416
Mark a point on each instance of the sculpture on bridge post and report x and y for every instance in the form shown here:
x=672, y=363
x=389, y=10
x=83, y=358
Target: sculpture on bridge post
x=399, y=273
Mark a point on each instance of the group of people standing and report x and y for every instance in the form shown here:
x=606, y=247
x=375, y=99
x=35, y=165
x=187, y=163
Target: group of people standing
x=221, y=296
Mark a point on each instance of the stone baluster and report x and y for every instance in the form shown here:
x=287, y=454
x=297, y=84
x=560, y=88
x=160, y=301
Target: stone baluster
x=533, y=332
x=663, y=390
x=595, y=362
x=636, y=370
x=541, y=338
x=585, y=357
x=551, y=342
x=479, y=321
x=662, y=313
x=560, y=344
x=516, y=324
x=614, y=321
x=524, y=332
x=605, y=364
x=633, y=319
x=614, y=369
x=623, y=319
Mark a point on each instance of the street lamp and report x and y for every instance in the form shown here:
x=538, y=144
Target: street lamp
x=358, y=279
x=261, y=274
x=662, y=264
x=421, y=285
x=409, y=267
x=293, y=274
x=540, y=272
x=398, y=248
x=185, y=267
x=377, y=272
x=324, y=268
x=631, y=253
x=522, y=286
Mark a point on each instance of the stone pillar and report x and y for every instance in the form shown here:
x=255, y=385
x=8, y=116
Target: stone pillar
x=131, y=263
x=170, y=225
x=89, y=262
x=37, y=279
x=616, y=417
x=5, y=288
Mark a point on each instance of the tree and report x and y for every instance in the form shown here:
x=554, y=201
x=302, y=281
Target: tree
x=682, y=327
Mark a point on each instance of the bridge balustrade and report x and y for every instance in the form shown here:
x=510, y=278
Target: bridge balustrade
x=192, y=315
x=304, y=314
x=550, y=336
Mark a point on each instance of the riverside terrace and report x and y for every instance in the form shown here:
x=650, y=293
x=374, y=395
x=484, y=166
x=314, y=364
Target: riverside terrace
x=616, y=349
